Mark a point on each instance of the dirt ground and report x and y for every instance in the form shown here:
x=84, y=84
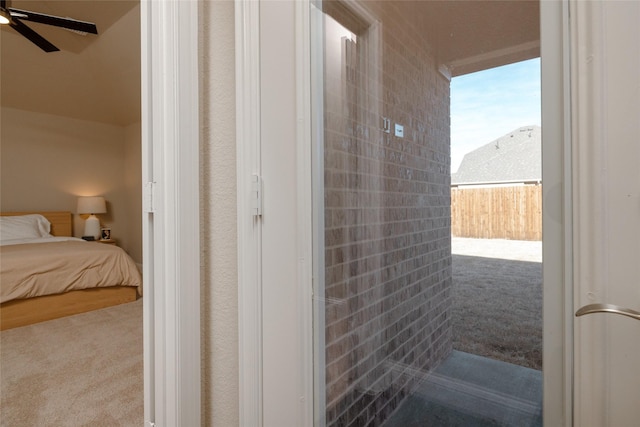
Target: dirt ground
x=497, y=299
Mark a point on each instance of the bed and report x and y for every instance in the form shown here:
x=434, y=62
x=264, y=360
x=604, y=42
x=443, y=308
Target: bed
x=46, y=274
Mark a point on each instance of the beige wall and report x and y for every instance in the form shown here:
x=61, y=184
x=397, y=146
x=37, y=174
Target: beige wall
x=133, y=189
x=48, y=161
x=218, y=216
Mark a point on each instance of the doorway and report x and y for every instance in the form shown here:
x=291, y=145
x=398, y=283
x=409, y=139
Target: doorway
x=72, y=128
x=496, y=215
x=284, y=285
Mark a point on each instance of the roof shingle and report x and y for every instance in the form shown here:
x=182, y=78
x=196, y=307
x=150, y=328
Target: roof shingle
x=514, y=157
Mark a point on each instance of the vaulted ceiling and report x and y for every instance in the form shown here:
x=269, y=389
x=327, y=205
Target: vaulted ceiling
x=94, y=78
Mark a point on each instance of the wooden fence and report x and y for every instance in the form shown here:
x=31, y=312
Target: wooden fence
x=513, y=213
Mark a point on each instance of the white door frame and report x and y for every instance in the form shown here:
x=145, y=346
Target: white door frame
x=292, y=402
x=171, y=232
x=557, y=220
x=247, y=25
x=557, y=250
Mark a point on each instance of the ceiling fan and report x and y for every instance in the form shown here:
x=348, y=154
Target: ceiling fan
x=14, y=17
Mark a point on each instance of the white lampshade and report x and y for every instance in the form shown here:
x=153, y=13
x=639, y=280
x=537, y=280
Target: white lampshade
x=92, y=205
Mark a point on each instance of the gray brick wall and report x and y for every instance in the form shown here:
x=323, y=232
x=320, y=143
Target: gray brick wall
x=387, y=219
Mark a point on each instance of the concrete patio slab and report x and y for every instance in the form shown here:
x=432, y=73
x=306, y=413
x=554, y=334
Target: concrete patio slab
x=473, y=391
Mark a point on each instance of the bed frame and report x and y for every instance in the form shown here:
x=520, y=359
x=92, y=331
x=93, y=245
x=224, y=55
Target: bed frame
x=24, y=312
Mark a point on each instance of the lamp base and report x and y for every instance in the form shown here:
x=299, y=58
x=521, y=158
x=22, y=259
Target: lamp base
x=92, y=227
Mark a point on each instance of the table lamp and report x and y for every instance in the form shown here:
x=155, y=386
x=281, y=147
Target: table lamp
x=92, y=206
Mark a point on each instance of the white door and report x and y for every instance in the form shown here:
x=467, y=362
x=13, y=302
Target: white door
x=606, y=155
x=601, y=207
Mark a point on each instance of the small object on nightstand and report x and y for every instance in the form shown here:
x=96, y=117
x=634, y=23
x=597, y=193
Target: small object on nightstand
x=105, y=234
x=108, y=241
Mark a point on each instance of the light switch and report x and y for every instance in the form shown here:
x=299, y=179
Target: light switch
x=399, y=131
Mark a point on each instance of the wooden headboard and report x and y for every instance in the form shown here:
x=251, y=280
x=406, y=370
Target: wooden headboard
x=61, y=222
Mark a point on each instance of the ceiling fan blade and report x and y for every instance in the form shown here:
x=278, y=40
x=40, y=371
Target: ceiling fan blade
x=41, y=18
x=34, y=37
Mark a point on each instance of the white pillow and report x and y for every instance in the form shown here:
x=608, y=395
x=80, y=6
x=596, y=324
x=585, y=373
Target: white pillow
x=24, y=227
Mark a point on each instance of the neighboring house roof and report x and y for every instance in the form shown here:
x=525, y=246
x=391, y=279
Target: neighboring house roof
x=514, y=157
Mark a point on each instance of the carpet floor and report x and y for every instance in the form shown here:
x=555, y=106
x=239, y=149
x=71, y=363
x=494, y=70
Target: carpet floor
x=82, y=370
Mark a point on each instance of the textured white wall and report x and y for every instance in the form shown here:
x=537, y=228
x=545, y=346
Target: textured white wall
x=218, y=216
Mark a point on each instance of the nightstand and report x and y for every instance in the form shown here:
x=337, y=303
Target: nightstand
x=108, y=242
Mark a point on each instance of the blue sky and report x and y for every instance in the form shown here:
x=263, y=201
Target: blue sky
x=492, y=103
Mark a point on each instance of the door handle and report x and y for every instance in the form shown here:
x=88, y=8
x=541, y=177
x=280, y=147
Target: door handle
x=608, y=308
